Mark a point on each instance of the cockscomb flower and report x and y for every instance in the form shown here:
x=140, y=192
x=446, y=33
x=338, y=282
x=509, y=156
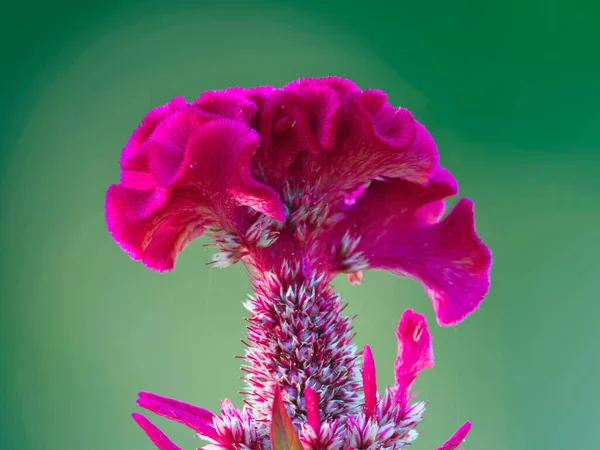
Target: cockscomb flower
x=300, y=184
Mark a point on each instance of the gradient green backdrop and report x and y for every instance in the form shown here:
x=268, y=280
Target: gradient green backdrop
x=509, y=89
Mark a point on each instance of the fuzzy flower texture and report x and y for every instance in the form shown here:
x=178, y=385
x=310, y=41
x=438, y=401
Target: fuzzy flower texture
x=300, y=184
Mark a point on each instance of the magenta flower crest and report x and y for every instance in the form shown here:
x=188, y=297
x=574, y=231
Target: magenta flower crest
x=302, y=183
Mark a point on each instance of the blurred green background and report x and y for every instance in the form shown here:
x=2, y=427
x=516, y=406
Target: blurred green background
x=509, y=89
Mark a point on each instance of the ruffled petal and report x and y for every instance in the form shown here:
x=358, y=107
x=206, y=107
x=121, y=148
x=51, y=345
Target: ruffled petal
x=414, y=353
x=376, y=140
x=457, y=438
x=315, y=110
x=194, y=417
x=397, y=226
x=167, y=145
x=157, y=437
x=343, y=137
x=300, y=119
x=430, y=213
x=278, y=148
x=206, y=167
x=218, y=163
x=133, y=157
x=395, y=127
x=154, y=226
x=342, y=85
x=399, y=202
x=137, y=180
x=448, y=258
x=230, y=104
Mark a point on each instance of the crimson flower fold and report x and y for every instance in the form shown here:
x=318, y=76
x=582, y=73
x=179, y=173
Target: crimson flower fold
x=318, y=167
x=396, y=225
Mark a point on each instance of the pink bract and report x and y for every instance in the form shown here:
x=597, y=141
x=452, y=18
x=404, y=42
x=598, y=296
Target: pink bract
x=386, y=421
x=314, y=167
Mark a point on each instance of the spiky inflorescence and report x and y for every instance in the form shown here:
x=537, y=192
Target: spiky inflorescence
x=300, y=184
x=298, y=338
x=370, y=422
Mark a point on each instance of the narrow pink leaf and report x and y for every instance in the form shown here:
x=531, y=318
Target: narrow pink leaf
x=283, y=433
x=457, y=438
x=157, y=437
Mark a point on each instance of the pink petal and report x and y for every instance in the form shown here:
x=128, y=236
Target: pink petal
x=302, y=117
x=457, y=438
x=136, y=204
x=430, y=213
x=279, y=147
x=400, y=203
x=152, y=228
x=312, y=409
x=342, y=85
x=218, y=157
x=324, y=114
x=422, y=156
x=365, y=137
x=137, y=180
x=201, y=413
x=453, y=264
x=159, y=439
x=369, y=382
x=414, y=353
x=316, y=111
x=367, y=148
x=194, y=417
x=127, y=214
x=133, y=157
x=210, y=183
x=394, y=126
x=380, y=140
x=167, y=145
x=446, y=256
x=230, y=104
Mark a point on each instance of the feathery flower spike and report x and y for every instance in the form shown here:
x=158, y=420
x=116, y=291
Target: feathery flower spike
x=302, y=183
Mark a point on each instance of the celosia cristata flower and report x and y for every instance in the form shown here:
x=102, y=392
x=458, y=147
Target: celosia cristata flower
x=300, y=184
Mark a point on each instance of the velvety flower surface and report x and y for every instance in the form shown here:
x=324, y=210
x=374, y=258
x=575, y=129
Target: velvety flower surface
x=302, y=183
x=316, y=167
